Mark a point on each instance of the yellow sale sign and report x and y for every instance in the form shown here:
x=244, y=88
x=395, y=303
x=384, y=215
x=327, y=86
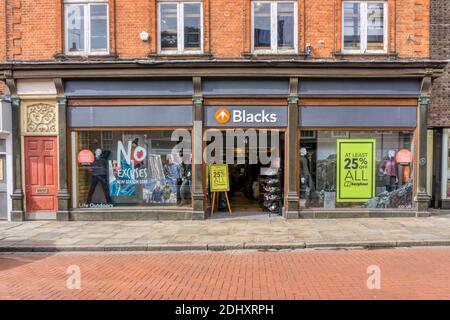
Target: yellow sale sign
x=218, y=178
x=356, y=169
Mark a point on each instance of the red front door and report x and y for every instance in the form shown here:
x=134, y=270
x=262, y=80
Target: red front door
x=41, y=174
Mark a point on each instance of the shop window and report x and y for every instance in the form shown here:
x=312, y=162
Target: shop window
x=445, y=179
x=180, y=27
x=375, y=170
x=86, y=27
x=274, y=26
x=138, y=168
x=364, y=27
x=2, y=168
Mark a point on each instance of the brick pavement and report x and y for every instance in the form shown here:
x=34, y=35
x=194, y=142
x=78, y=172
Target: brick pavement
x=405, y=273
x=223, y=234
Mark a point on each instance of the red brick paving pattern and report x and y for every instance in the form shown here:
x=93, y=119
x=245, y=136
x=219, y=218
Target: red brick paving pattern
x=407, y=273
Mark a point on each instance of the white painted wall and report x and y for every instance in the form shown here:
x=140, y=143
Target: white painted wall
x=36, y=87
x=9, y=173
x=5, y=132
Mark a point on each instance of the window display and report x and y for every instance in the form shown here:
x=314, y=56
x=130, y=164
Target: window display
x=356, y=169
x=142, y=168
x=445, y=175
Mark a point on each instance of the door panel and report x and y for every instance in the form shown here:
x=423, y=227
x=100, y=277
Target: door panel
x=41, y=173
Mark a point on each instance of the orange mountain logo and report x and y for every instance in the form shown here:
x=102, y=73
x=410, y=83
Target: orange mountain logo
x=223, y=115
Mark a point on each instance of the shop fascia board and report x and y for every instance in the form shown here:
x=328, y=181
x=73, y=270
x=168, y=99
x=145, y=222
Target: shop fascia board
x=220, y=68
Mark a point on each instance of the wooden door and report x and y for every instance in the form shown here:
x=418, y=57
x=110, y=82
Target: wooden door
x=41, y=174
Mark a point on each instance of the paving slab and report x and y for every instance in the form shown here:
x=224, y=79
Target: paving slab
x=224, y=234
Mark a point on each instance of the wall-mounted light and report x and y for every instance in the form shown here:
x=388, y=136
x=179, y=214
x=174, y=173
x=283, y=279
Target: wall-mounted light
x=144, y=36
x=308, y=49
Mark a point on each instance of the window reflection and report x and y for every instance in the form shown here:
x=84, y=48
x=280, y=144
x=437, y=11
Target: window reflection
x=285, y=26
x=139, y=168
x=352, y=28
x=393, y=179
x=169, y=38
x=262, y=33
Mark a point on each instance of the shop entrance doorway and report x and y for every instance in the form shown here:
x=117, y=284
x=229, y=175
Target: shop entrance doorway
x=255, y=160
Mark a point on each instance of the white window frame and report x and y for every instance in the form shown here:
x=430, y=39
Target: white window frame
x=274, y=28
x=363, y=26
x=180, y=27
x=87, y=27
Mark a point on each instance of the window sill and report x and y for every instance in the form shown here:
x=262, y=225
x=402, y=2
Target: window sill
x=275, y=56
x=180, y=56
x=390, y=55
x=96, y=57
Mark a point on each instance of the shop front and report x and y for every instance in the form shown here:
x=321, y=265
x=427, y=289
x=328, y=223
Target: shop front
x=308, y=148
x=130, y=160
x=441, y=168
x=358, y=156
x=142, y=149
x=250, y=141
x=245, y=127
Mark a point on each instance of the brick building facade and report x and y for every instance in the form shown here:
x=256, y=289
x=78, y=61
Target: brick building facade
x=36, y=32
x=439, y=115
x=68, y=66
x=440, y=50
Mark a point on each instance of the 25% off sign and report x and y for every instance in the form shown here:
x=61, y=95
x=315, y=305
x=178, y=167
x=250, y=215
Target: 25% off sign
x=355, y=174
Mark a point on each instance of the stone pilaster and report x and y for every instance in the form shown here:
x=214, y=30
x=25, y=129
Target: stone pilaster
x=63, y=194
x=422, y=198
x=291, y=208
x=18, y=209
x=198, y=196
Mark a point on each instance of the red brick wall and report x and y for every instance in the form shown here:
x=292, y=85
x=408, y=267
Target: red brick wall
x=439, y=112
x=227, y=27
x=35, y=28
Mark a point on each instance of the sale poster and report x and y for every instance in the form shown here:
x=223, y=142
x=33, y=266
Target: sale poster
x=219, y=180
x=355, y=172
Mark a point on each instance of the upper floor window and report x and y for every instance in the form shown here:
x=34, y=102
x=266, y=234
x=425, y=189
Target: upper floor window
x=364, y=27
x=274, y=26
x=180, y=27
x=86, y=27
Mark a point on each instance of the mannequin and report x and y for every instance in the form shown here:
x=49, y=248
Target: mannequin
x=305, y=173
x=99, y=174
x=389, y=169
x=172, y=172
x=186, y=176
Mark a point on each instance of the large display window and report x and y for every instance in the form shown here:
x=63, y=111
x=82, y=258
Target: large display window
x=131, y=168
x=356, y=169
x=445, y=177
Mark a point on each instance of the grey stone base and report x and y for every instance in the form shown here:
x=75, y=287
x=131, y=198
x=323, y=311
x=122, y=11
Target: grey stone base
x=134, y=215
x=62, y=216
x=445, y=204
x=17, y=216
x=180, y=214
x=290, y=214
x=41, y=216
x=336, y=214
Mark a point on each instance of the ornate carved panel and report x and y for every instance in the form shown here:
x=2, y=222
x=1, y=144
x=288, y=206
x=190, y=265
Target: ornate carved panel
x=41, y=118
